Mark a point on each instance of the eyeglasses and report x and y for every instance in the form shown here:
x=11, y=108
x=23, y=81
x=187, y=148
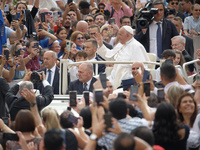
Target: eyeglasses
x=48, y=13
x=90, y=20
x=197, y=10
x=80, y=38
x=21, y=49
x=92, y=33
x=174, y=3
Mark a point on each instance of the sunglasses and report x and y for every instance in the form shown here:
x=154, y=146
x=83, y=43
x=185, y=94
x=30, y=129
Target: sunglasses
x=197, y=10
x=48, y=13
x=80, y=38
x=174, y=3
x=21, y=49
x=89, y=20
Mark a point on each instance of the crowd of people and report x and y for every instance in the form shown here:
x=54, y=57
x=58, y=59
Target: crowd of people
x=130, y=109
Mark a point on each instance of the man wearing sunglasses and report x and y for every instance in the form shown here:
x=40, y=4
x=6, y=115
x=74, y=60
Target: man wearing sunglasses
x=175, y=5
x=47, y=14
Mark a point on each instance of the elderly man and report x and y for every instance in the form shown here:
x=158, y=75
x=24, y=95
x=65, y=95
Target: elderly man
x=85, y=81
x=136, y=66
x=189, y=41
x=178, y=42
x=51, y=71
x=128, y=49
x=82, y=26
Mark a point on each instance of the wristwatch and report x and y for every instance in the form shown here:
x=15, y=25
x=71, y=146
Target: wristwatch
x=93, y=137
x=32, y=104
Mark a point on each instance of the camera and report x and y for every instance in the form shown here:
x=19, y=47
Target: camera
x=145, y=16
x=35, y=78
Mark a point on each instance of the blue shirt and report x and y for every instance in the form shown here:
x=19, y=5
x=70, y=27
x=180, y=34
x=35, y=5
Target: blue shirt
x=45, y=43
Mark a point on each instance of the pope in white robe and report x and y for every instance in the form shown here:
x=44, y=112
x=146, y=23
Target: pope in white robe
x=129, y=49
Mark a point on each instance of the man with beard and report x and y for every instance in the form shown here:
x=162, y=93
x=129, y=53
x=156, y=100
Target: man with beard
x=67, y=24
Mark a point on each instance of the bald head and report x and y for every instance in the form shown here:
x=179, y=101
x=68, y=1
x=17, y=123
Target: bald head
x=82, y=26
x=85, y=72
x=136, y=66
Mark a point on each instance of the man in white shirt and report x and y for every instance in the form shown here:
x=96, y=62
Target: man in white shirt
x=129, y=49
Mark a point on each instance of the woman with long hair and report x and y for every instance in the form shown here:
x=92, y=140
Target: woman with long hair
x=168, y=132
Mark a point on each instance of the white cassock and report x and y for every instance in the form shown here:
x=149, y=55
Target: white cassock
x=130, y=51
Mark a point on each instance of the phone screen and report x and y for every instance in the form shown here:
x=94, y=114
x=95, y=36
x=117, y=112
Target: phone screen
x=134, y=90
x=103, y=80
x=86, y=95
x=17, y=53
x=145, y=76
x=72, y=98
x=147, y=88
x=98, y=95
x=108, y=121
x=36, y=45
x=55, y=16
x=10, y=136
x=198, y=77
x=6, y=54
x=161, y=95
x=69, y=1
x=121, y=95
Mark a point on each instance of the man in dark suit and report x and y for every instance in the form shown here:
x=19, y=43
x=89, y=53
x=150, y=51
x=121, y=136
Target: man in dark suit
x=189, y=41
x=85, y=81
x=93, y=29
x=161, y=28
x=91, y=48
x=15, y=104
x=51, y=71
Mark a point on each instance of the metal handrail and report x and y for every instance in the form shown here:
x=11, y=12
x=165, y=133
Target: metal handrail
x=185, y=72
x=64, y=63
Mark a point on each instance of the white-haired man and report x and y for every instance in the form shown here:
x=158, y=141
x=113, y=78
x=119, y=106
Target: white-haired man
x=129, y=49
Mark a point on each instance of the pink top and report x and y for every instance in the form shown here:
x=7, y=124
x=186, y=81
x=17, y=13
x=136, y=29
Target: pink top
x=123, y=11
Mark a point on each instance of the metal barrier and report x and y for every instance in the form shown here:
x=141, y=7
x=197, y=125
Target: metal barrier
x=64, y=66
x=189, y=78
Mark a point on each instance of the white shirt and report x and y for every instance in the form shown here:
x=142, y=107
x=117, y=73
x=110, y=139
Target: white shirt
x=88, y=84
x=53, y=69
x=132, y=50
x=153, y=27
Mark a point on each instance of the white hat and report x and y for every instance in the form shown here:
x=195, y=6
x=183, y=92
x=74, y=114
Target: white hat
x=128, y=29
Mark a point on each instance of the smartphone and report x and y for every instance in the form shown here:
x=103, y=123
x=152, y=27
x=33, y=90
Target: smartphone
x=72, y=98
x=71, y=118
x=121, y=95
x=103, y=80
x=42, y=16
x=147, y=88
x=55, y=16
x=17, y=53
x=10, y=136
x=161, y=95
x=68, y=45
x=40, y=26
x=169, y=61
x=86, y=95
x=98, y=96
x=69, y=1
x=134, y=90
x=5, y=120
x=6, y=9
x=6, y=53
x=198, y=78
x=18, y=15
x=146, y=76
x=14, y=17
x=36, y=45
x=112, y=20
x=108, y=121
